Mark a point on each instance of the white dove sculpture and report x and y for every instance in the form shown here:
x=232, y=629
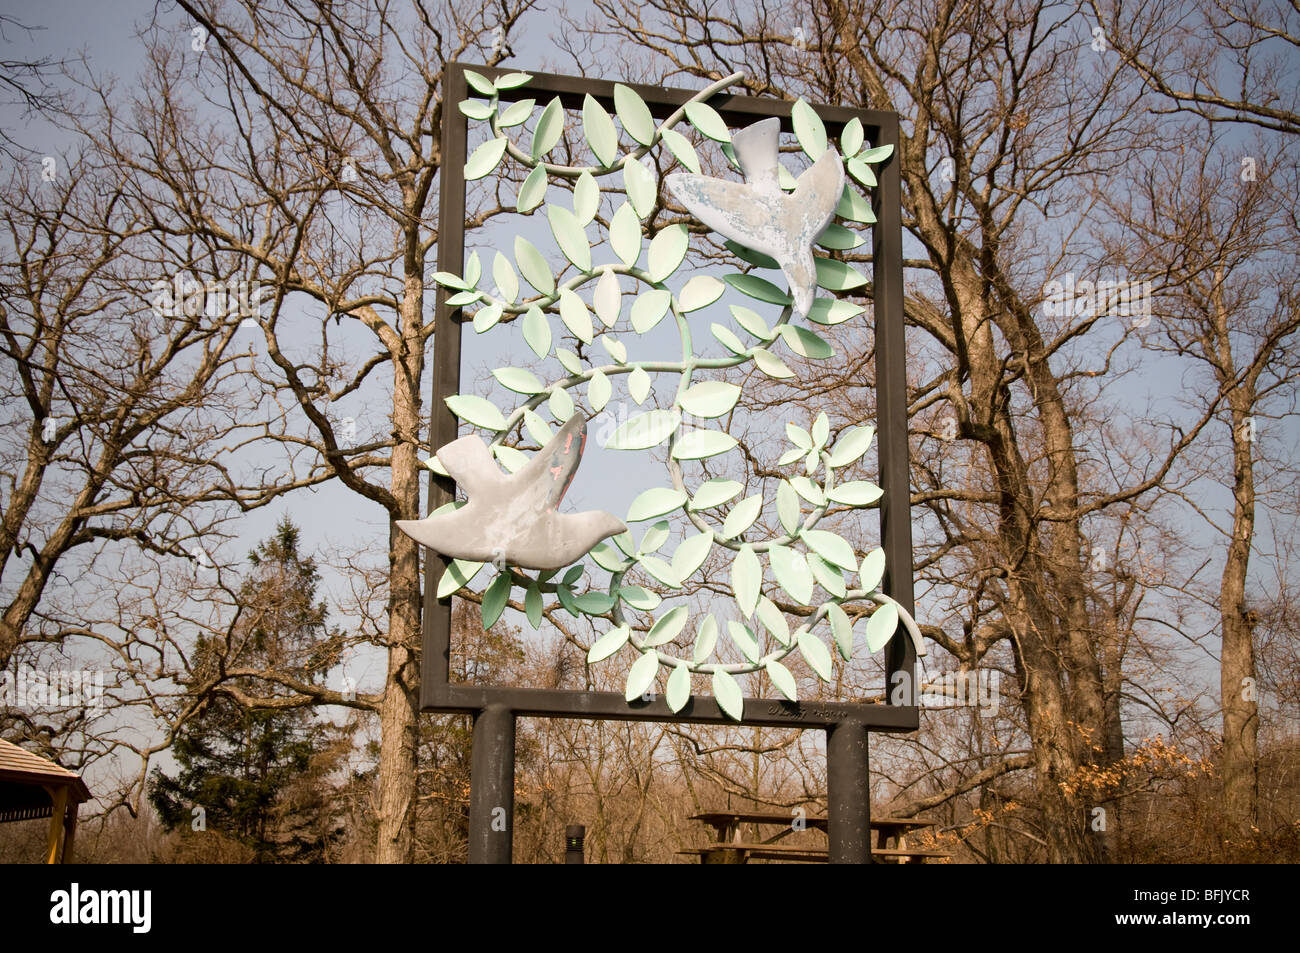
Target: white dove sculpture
x=514, y=517
x=759, y=215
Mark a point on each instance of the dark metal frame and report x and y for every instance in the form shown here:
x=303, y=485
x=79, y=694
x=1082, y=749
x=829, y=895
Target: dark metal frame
x=495, y=708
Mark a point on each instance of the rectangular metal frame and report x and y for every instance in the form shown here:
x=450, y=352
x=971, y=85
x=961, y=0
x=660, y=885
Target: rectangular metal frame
x=495, y=708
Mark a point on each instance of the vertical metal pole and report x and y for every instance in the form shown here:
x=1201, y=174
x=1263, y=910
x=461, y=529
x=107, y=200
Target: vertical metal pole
x=435, y=663
x=848, y=794
x=574, y=835
x=891, y=411
x=492, y=786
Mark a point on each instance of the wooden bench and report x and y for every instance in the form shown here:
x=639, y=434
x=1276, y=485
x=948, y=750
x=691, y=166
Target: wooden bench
x=891, y=836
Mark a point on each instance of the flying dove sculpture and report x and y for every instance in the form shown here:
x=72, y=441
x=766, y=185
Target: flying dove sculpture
x=514, y=517
x=758, y=214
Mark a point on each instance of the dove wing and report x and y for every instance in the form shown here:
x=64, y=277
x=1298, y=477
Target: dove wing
x=470, y=464
x=732, y=209
x=548, y=474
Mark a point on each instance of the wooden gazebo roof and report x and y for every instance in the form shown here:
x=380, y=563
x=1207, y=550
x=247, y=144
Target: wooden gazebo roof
x=26, y=780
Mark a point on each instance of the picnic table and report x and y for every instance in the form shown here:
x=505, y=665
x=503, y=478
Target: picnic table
x=730, y=848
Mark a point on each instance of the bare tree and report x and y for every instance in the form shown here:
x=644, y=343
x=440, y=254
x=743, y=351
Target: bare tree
x=303, y=140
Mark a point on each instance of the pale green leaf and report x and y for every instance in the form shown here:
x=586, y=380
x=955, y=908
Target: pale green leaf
x=638, y=385
x=512, y=459
x=805, y=343
x=714, y=493
x=667, y=250
x=815, y=654
x=791, y=572
x=512, y=80
x=691, y=554
x=486, y=318
x=480, y=83
x=881, y=627
x=507, y=281
x=516, y=114
x=537, y=428
x=655, y=502
x=678, y=691
x=756, y=287
x=642, y=188
x=706, y=638
x=706, y=119
x=606, y=557
x=569, y=236
x=700, y=292
x=644, y=430
x=755, y=258
x=809, y=490
x=625, y=235
x=851, y=138
x=549, y=128
x=519, y=380
x=681, y=147
x=458, y=574
x=537, y=331
x=851, y=444
x=808, y=129
x=661, y=570
x=701, y=444
x=728, y=338
x=750, y=320
x=495, y=597
x=576, y=317
x=842, y=630
x=634, y=114
x=878, y=154
x=770, y=364
x=799, y=437
x=830, y=578
x=773, y=620
x=477, y=109
x=855, y=493
x=831, y=311
x=667, y=627
x=533, y=606
x=654, y=538
x=649, y=309
x=477, y=411
x=838, y=275
x=638, y=597
x=600, y=132
x=838, y=238
x=560, y=404
x=641, y=676
x=862, y=172
x=872, y=571
x=484, y=159
x=834, y=549
x=787, y=507
x=746, y=578
x=599, y=391
x=727, y=692
x=710, y=398
x=568, y=360
x=533, y=190
x=854, y=207
x=533, y=266
x=745, y=641
x=782, y=679
x=742, y=516
x=608, y=296
x=614, y=348
x=586, y=198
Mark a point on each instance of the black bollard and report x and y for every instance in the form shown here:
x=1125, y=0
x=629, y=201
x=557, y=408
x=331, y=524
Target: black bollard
x=574, y=835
